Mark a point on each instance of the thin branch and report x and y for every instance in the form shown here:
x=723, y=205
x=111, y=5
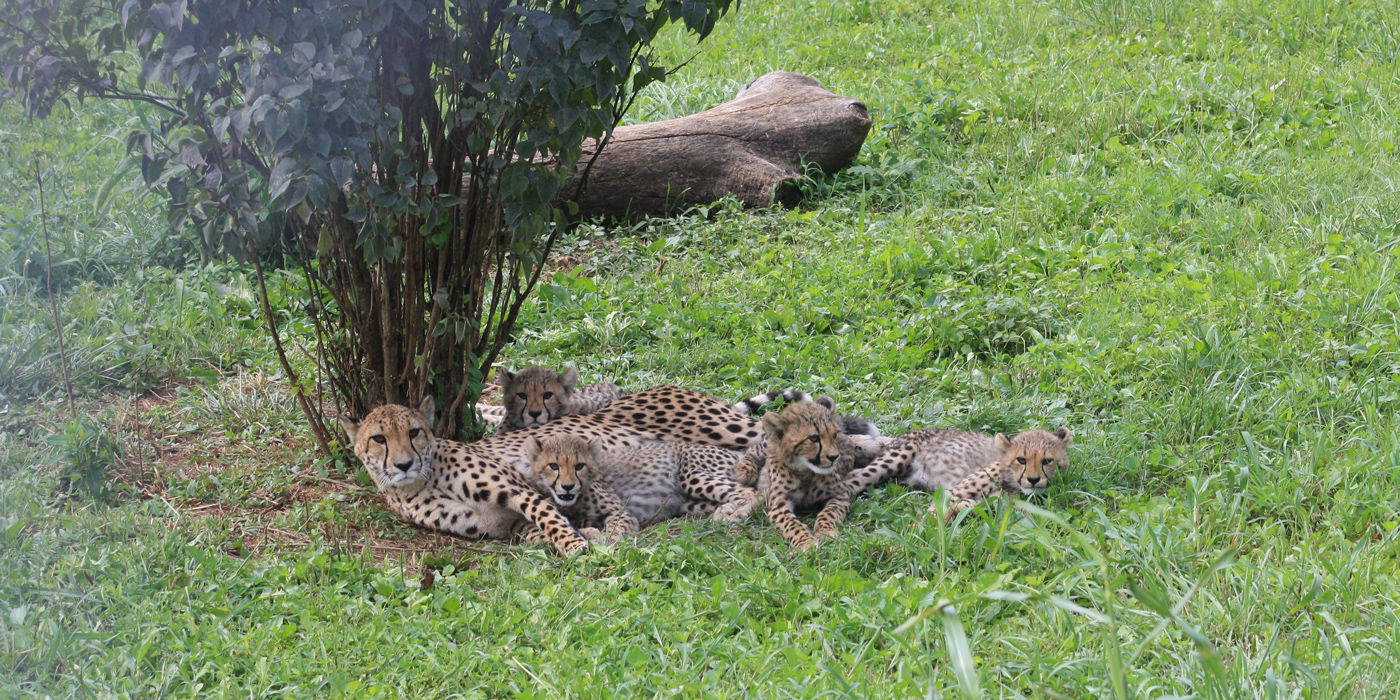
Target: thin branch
x=48, y=284
x=318, y=427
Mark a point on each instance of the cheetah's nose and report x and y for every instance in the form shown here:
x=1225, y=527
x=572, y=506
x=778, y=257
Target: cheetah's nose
x=535, y=414
x=404, y=466
x=831, y=458
x=1033, y=479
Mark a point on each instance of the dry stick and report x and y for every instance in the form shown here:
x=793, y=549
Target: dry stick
x=48, y=284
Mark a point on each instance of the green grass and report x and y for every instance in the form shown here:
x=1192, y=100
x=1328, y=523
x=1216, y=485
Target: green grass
x=1168, y=225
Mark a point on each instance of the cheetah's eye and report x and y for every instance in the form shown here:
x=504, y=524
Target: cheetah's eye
x=815, y=438
x=549, y=394
x=414, y=433
x=1046, y=462
x=580, y=467
x=378, y=438
x=522, y=395
x=1021, y=460
x=554, y=466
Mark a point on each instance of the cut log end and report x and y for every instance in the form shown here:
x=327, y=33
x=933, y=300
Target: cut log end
x=753, y=147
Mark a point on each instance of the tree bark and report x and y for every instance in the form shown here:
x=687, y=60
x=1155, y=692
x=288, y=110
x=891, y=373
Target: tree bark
x=753, y=147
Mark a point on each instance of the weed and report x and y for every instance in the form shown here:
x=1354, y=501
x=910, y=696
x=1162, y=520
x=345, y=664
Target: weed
x=88, y=454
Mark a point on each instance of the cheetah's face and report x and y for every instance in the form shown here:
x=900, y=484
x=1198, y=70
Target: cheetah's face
x=1032, y=458
x=535, y=395
x=561, y=466
x=805, y=435
x=395, y=443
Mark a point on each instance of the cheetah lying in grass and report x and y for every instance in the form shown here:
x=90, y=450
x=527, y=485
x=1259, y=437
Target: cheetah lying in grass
x=565, y=469
x=858, y=437
x=650, y=482
x=482, y=489
x=449, y=486
x=537, y=395
x=970, y=466
x=804, y=462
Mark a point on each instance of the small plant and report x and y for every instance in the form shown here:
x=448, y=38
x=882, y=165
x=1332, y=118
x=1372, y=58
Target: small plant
x=88, y=453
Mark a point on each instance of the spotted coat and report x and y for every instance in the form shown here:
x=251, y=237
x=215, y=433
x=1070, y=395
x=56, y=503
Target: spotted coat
x=970, y=466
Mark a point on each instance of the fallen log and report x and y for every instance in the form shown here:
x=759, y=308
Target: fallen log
x=753, y=147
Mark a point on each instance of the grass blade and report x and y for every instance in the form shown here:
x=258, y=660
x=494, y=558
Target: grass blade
x=960, y=653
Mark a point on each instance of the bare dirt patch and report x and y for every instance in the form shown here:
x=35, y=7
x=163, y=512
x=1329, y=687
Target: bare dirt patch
x=286, y=515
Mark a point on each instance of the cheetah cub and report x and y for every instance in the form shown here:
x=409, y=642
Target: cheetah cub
x=537, y=395
x=564, y=468
x=970, y=466
x=859, y=438
x=803, y=467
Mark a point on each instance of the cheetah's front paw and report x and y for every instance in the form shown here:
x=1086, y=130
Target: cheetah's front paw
x=593, y=534
x=733, y=512
x=574, y=547
x=956, y=508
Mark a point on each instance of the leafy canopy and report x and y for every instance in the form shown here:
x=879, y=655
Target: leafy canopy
x=275, y=106
x=408, y=154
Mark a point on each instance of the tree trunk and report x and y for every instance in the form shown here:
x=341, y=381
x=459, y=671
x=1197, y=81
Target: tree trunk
x=752, y=147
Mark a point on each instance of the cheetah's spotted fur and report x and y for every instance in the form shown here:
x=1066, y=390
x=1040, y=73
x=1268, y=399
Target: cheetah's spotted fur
x=664, y=480
x=665, y=413
x=803, y=466
x=859, y=439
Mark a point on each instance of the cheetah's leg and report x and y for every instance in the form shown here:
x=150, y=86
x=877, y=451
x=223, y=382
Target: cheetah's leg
x=973, y=489
x=747, y=468
x=438, y=512
x=892, y=463
x=698, y=509
x=831, y=515
x=617, y=522
x=703, y=479
x=526, y=531
x=541, y=513
x=780, y=486
x=781, y=514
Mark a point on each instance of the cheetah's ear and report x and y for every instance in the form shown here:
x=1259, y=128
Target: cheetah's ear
x=533, y=447
x=1064, y=435
x=426, y=408
x=774, y=424
x=351, y=425
x=595, y=448
x=569, y=378
x=827, y=403
x=503, y=378
x=1002, y=442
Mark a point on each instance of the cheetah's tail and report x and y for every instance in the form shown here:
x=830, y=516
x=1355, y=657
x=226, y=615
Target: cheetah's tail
x=751, y=405
x=850, y=425
x=492, y=415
